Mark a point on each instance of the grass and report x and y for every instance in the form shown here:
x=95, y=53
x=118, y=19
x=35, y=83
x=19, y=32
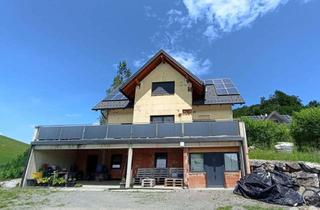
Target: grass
x=28, y=197
x=294, y=156
x=10, y=149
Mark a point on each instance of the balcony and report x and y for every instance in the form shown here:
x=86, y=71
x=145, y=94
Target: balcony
x=139, y=132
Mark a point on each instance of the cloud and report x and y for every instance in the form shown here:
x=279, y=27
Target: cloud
x=191, y=61
x=216, y=17
x=211, y=33
x=149, y=13
x=96, y=123
x=139, y=63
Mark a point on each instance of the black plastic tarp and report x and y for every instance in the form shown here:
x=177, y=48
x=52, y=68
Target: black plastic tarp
x=271, y=187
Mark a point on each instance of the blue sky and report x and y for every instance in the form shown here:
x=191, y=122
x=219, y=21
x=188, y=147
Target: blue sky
x=58, y=57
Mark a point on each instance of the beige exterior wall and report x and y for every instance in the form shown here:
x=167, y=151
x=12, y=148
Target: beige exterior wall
x=118, y=116
x=146, y=105
x=212, y=112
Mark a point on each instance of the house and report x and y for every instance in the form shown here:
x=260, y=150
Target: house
x=273, y=116
x=163, y=117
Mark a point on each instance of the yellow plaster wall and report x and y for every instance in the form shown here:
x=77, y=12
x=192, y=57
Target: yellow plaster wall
x=212, y=112
x=146, y=105
x=118, y=116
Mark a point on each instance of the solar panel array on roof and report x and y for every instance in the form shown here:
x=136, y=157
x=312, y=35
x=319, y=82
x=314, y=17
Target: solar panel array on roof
x=223, y=86
x=115, y=96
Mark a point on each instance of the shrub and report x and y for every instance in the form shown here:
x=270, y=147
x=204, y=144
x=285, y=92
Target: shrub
x=305, y=129
x=14, y=168
x=264, y=134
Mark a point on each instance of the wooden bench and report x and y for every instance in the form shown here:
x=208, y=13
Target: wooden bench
x=173, y=182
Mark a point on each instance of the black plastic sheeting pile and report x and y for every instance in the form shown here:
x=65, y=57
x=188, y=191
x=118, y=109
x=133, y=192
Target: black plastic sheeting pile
x=271, y=187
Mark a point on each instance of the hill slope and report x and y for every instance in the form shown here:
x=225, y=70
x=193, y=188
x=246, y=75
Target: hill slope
x=10, y=149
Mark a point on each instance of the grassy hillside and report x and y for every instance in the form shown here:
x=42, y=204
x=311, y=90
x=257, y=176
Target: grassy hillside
x=10, y=149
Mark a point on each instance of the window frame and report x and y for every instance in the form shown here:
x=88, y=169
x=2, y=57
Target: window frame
x=164, y=93
x=113, y=157
x=161, y=116
x=159, y=155
x=238, y=162
x=192, y=171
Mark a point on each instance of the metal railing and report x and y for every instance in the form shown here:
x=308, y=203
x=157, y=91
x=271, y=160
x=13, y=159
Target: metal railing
x=138, y=131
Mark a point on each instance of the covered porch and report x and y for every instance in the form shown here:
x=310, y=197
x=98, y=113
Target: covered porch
x=193, y=152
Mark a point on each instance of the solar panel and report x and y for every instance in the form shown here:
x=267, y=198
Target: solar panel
x=208, y=82
x=110, y=96
x=217, y=81
x=232, y=91
x=222, y=91
x=223, y=86
x=116, y=95
x=227, y=81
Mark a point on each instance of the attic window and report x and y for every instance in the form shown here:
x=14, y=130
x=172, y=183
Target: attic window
x=162, y=88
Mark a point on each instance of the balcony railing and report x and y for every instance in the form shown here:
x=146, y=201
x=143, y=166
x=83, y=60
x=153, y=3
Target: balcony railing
x=138, y=131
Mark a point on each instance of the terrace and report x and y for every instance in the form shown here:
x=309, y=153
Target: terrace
x=139, y=133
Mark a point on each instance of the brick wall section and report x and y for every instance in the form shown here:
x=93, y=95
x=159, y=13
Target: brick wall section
x=104, y=158
x=231, y=178
x=197, y=180
x=145, y=158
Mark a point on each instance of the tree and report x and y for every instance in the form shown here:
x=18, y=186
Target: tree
x=305, y=128
x=123, y=73
x=265, y=133
x=279, y=101
x=313, y=103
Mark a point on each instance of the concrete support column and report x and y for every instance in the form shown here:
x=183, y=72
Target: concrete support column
x=31, y=165
x=185, y=166
x=129, y=166
x=30, y=168
x=245, y=150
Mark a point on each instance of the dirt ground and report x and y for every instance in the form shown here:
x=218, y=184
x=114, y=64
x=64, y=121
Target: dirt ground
x=115, y=199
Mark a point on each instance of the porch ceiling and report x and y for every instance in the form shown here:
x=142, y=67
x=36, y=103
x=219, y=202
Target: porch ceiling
x=141, y=143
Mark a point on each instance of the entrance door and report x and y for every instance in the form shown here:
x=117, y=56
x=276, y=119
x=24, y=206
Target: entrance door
x=214, y=168
x=92, y=161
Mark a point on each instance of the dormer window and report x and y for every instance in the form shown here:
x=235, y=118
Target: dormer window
x=162, y=88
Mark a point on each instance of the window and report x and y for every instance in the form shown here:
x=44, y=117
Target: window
x=196, y=163
x=160, y=160
x=162, y=119
x=116, y=161
x=231, y=162
x=162, y=88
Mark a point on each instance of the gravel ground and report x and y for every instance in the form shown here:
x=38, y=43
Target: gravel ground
x=112, y=199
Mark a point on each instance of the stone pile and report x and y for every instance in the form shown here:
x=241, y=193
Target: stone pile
x=304, y=173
